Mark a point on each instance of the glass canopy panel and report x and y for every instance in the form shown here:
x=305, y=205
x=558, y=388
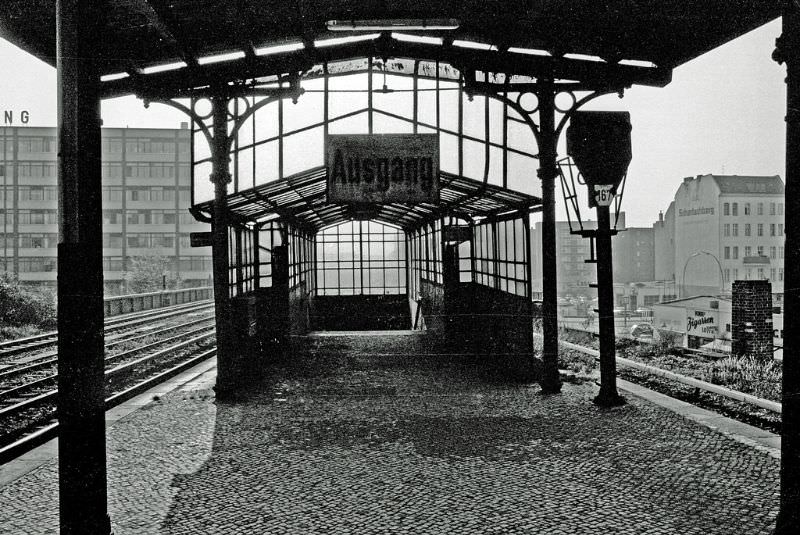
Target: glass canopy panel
x=282, y=138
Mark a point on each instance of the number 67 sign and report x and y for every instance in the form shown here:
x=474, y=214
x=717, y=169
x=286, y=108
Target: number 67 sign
x=603, y=194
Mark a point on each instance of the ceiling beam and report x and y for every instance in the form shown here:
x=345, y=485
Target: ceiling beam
x=172, y=27
x=589, y=73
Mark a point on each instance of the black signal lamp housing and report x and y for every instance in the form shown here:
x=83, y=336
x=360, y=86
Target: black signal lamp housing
x=600, y=144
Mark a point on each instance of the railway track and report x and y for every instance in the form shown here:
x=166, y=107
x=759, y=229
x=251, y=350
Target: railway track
x=27, y=411
x=18, y=346
x=48, y=360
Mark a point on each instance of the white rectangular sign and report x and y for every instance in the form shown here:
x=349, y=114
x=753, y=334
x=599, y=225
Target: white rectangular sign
x=702, y=323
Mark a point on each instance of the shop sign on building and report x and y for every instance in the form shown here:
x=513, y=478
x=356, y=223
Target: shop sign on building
x=383, y=168
x=702, y=323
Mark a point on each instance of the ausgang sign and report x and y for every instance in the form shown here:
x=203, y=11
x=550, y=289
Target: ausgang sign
x=383, y=168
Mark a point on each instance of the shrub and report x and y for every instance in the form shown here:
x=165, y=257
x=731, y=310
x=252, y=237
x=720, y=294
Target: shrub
x=749, y=375
x=20, y=306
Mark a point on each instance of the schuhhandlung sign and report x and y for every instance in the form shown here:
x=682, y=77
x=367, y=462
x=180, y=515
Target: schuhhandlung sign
x=383, y=168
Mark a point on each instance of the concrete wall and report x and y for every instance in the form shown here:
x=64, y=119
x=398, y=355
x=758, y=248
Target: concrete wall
x=493, y=324
x=664, y=245
x=360, y=312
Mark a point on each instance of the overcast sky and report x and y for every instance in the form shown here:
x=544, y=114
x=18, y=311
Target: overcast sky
x=722, y=113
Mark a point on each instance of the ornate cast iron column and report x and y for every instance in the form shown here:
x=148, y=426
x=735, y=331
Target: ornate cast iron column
x=548, y=171
x=221, y=177
x=81, y=381
x=788, y=51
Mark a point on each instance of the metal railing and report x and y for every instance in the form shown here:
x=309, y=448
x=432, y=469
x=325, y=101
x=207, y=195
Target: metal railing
x=123, y=304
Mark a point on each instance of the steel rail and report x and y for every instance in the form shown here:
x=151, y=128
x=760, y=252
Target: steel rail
x=42, y=435
x=21, y=345
x=35, y=401
x=48, y=358
x=124, y=354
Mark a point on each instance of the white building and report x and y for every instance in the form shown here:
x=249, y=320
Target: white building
x=720, y=229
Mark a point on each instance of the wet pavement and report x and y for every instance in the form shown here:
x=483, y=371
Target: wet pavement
x=381, y=435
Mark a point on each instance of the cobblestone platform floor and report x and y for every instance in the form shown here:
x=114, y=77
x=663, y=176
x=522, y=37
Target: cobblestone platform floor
x=358, y=436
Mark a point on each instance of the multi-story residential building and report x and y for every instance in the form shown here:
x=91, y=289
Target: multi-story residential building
x=634, y=255
x=146, y=196
x=720, y=229
x=574, y=274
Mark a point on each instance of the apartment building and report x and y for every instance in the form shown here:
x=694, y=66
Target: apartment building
x=722, y=228
x=146, y=197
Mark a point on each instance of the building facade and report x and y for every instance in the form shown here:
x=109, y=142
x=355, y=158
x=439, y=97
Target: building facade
x=146, y=196
x=720, y=229
x=574, y=274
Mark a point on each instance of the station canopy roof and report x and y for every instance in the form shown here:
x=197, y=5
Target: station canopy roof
x=181, y=45
x=301, y=199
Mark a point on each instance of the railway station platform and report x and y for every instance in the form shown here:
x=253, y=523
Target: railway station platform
x=362, y=433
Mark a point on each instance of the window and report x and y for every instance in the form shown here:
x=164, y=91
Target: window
x=760, y=208
x=748, y=274
x=760, y=273
x=727, y=253
x=780, y=252
x=112, y=217
x=727, y=275
x=735, y=209
x=112, y=193
x=772, y=274
x=747, y=229
x=761, y=229
x=748, y=250
x=780, y=229
x=726, y=229
x=112, y=263
x=735, y=229
x=113, y=241
x=760, y=250
x=772, y=253
x=112, y=145
x=735, y=252
x=780, y=208
x=747, y=208
x=780, y=274
x=772, y=210
x=772, y=229
x=726, y=209
x=735, y=274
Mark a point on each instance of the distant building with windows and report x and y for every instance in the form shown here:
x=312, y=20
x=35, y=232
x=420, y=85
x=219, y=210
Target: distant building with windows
x=146, y=197
x=632, y=250
x=722, y=228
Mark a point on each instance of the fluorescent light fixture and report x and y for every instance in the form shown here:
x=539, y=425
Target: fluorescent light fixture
x=417, y=38
x=638, y=63
x=529, y=51
x=217, y=58
x=585, y=57
x=344, y=40
x=473, y=44
x=165, y=67
x=115, y=76
x=392, y=24
x=278, y=49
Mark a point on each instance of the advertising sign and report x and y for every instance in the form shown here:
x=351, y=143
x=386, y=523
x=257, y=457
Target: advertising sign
x=383, y=168
x=702, y=323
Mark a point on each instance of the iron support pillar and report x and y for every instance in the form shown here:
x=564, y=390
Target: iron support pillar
x=81, y=383
x=221, y=177
x=548, y=171
x=608, y=396
x=788, y=51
